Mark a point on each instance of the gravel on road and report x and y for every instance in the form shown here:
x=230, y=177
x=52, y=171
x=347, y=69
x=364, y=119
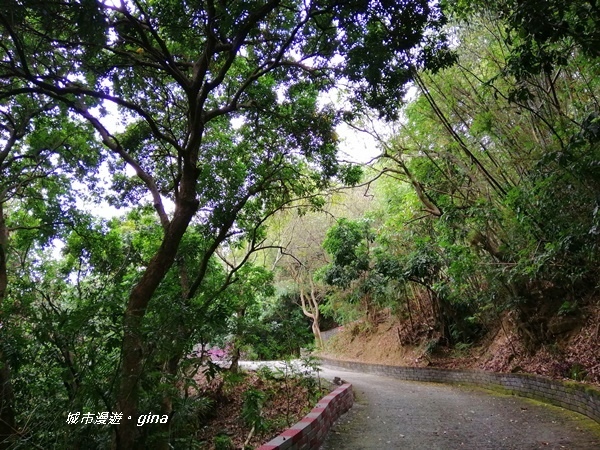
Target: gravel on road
x=394, y=414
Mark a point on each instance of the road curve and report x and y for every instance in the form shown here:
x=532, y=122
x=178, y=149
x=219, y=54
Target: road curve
x=396, y=414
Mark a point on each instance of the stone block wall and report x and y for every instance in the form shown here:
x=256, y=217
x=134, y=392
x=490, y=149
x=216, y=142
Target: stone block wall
x=310, y=432
x=574, y=396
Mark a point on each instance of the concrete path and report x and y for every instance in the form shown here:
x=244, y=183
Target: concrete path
x=395, y=414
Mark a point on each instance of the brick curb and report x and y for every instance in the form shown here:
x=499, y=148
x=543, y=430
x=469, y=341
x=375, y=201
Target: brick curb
x=310, y=432
x=574, y=396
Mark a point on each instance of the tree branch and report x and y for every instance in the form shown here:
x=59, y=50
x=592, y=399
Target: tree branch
x=111, y=142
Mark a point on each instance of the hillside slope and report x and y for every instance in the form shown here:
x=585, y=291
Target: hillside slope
x=573, y=352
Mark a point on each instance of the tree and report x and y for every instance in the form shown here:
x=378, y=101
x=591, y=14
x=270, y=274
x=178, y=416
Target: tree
x=539, y=43
x=352, y=268
x=298, y=235
x=301, y=256
x=179, y=73
x=252, y=285
x=36, y=161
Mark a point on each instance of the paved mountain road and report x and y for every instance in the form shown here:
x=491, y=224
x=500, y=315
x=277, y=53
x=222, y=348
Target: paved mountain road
x=394, y=414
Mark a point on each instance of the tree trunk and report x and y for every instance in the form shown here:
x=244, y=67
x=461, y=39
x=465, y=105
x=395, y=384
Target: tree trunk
x=425, y=199
x=170, y=367
x=236, y=352
x=7, y=415
x=235, y=359
x=129, y=436
x=316, y=329
x=316, y=325
x=311, y=310
x=409, y=309
x=166, y=407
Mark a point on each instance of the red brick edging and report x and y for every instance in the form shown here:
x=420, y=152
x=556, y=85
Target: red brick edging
x=310, y=432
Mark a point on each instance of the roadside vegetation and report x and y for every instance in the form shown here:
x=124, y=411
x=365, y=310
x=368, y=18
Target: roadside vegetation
x=484, y=230
x=247, y=409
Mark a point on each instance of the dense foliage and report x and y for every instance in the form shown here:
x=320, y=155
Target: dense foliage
x=201, y=120
x=206, y=131
x=489, y=195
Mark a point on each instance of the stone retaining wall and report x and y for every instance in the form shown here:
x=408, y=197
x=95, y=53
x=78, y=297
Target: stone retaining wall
x=310, y=432
x=574, y=396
